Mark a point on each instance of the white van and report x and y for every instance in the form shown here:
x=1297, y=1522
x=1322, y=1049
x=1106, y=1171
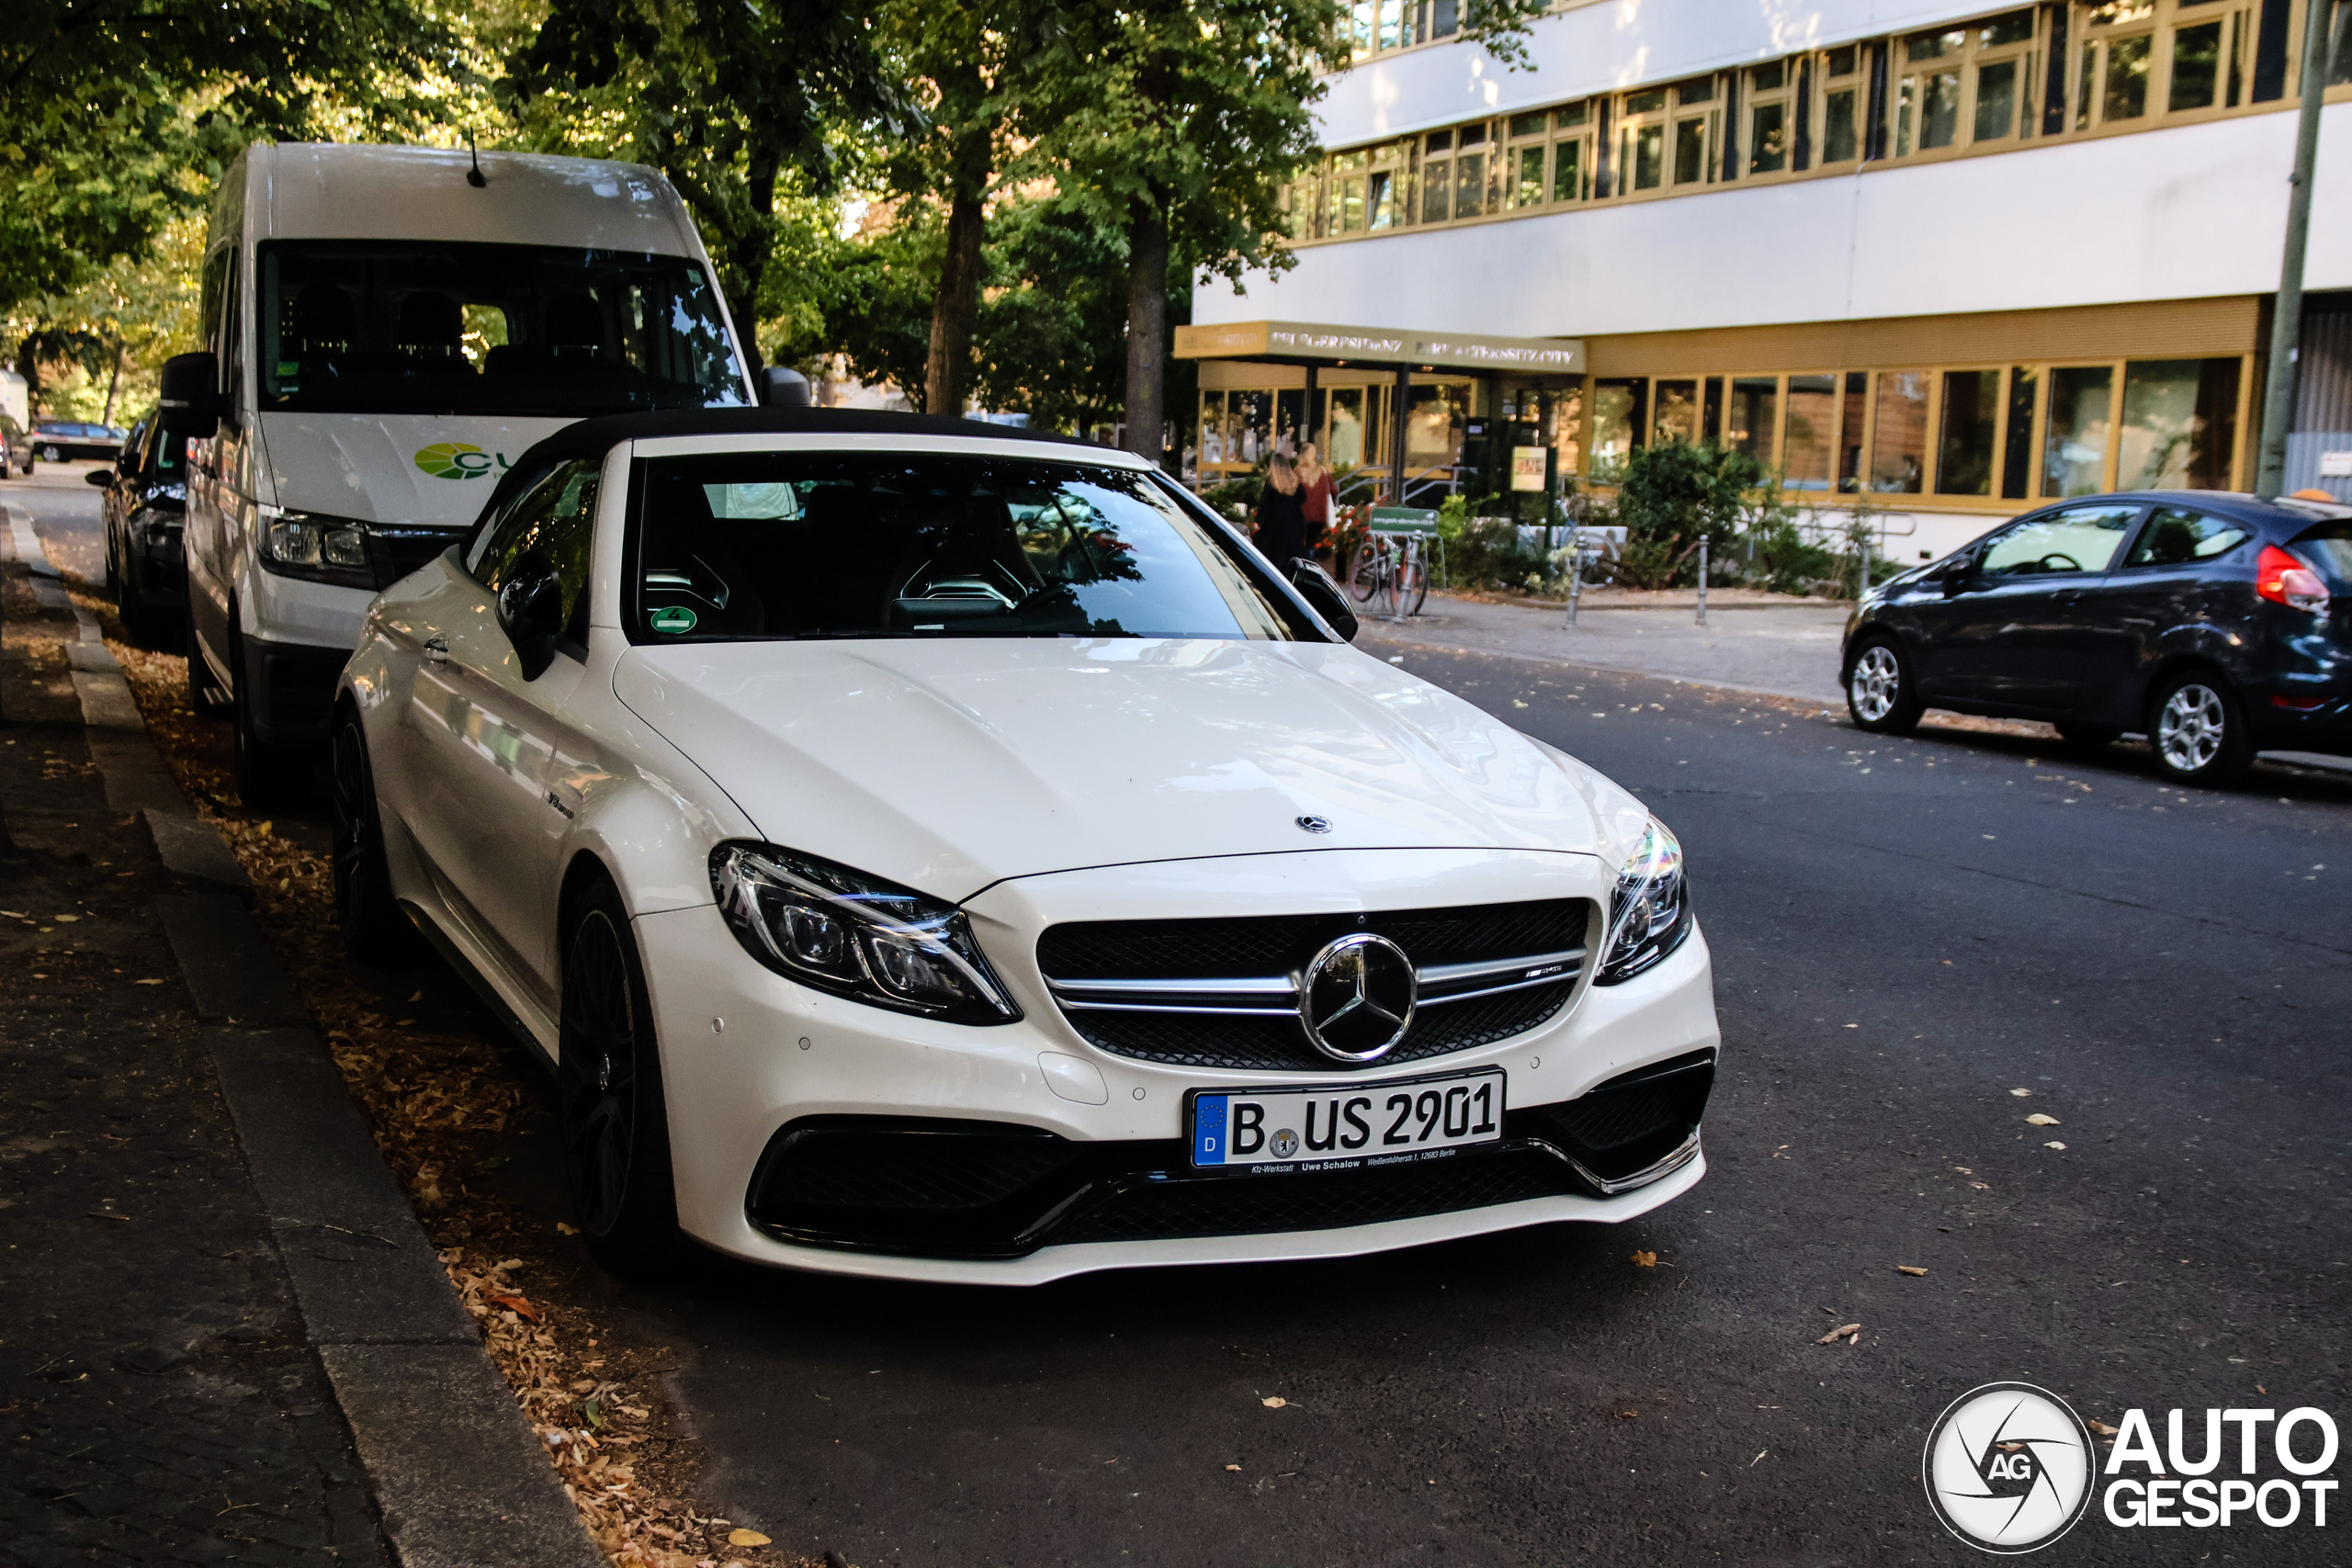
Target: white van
x=386, y=329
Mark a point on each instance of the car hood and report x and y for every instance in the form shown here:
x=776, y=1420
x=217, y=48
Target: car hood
x=950, y=765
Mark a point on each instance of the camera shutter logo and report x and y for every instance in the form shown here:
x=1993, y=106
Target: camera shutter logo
x=455, y=460
x=2009, y=1468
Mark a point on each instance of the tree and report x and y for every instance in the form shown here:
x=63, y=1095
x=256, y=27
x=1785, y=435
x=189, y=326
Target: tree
x=116, y=115
x=1671, y=495
x=739, y=106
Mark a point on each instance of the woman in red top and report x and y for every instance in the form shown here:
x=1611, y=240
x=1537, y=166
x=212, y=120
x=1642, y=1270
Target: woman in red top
x=1315, y=494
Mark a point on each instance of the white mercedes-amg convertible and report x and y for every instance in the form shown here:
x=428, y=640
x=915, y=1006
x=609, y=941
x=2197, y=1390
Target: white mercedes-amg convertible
x=927, y=850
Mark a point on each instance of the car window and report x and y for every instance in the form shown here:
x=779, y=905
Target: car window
x=2178, y=537
x=2328, y=547
x=2080, y=538
x=555, y=519
x=874, y=544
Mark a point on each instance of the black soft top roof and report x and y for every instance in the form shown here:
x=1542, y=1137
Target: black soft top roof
x=595, y=437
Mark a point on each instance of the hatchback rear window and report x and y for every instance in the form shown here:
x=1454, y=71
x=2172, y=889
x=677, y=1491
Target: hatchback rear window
x=2329, y=548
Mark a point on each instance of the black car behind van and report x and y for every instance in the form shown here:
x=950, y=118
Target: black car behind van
x=2217, y=624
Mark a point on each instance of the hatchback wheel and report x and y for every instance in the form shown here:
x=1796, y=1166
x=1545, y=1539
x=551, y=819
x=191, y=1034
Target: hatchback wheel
x=1880, y=692
x=616, y=1122
x=2199, y=730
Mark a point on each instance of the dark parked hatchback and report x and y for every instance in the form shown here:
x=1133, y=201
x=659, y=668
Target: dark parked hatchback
x=2216, y=624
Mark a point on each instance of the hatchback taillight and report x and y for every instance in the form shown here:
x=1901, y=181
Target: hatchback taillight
x=2282, y=579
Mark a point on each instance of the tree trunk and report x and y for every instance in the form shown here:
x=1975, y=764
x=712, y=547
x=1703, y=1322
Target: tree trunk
x=114, y=384
x=947, y=373
x=1148, y=331
x=750, y=254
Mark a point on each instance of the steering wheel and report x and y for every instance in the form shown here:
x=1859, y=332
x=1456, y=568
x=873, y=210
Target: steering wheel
x=2070, y=564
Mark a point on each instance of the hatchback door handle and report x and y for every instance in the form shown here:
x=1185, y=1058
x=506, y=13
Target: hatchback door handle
x=436, y=650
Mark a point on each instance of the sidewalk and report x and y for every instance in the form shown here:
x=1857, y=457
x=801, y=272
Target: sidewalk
x=1784, y=649
x=227, y=1339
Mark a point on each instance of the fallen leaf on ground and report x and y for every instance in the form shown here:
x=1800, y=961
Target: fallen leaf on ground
x=1233, y=1467
x=2021, y=1093
x=562, y=1229
x=521, y=1307
x=1909, y=1269
x=1853, y=1330
x=2039, y=1120
x=746, y=1538
x=146, y=982
x=1759, y=1459
x=65, y=920
x=1645, y=1259
x=2054, y=1143
x=1982, y=1186
x=1274, y=1402
x=2102, y=1429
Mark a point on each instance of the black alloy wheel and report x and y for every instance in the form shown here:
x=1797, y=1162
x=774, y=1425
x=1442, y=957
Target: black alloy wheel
x=608, y=1084
x=1880, y=692
x=375, y=930
x=2197, y=729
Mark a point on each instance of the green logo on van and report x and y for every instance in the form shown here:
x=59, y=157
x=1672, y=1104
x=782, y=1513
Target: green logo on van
x=675, y=619
x=457, y=460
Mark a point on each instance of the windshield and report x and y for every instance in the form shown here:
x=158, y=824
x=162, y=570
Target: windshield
x=382, y=326
x=753, y=545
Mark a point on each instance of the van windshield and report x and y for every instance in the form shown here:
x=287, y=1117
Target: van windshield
x=409, y=326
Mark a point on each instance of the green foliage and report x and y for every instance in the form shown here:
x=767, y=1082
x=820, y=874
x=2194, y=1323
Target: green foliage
x=1672, y=494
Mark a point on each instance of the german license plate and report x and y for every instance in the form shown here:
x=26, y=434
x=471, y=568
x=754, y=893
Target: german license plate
x=1346, y=1129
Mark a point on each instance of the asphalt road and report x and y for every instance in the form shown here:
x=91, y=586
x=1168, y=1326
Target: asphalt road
x=1904, y=932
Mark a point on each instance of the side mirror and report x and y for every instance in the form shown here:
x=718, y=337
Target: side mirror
x=1315, y=586
x=98, y=476
x=189, y=403
x=531, y=612
x=781, y=388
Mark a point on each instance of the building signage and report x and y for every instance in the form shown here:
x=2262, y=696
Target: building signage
x=1527, y=465
x=1381, y=345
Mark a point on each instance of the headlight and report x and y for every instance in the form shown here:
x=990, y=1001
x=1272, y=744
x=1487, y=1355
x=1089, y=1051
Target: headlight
x=1650, y=914
x=840, y=930
x=312, y=545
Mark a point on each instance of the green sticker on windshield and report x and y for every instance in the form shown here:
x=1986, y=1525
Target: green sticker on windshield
x=675, y=619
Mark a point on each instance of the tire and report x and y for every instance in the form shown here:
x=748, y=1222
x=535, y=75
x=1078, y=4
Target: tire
x=268, y=775
x=375, y=930
x=2087, y=737
x=52, y=453
x=1413, y=584
x=616, y=1124
x=1881, y=694
x=1364, y=574
x=2197, y=729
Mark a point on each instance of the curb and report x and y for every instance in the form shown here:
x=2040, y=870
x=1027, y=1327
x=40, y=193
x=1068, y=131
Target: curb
x=460, y=1479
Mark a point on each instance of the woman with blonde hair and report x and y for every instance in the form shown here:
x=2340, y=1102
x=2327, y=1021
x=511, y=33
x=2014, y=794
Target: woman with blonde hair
x=1280, y=526
x=1315, y=494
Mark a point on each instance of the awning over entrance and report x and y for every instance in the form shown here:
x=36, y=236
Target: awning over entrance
x=1316, y=343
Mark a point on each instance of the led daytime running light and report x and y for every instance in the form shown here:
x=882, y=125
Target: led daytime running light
x=1649, y=914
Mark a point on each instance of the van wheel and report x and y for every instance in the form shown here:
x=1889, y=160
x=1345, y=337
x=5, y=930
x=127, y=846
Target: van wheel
x=615, y=1120
x=2197, y=730
x=1880, y=692
x=375, y=931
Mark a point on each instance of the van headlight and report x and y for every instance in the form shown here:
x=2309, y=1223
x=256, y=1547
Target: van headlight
x=314, y=546
x=1649, y=914
x=856, y=936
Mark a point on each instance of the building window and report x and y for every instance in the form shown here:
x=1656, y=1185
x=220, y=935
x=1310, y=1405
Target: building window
x=1678, y=411
x=1617, y=410
x=2179, y=424
x=1748, y=424
x=1926, y=104
x=1899, y=433
x=2073, y=446
x=1770, y=121
x=2118, y=40
x=1841, y=100
x=1854, y=417
x=1523, y=181
x=1437, y=177
x=1971, y=418
x=1470, y=171
x=1809, y=444
x=2016, y=457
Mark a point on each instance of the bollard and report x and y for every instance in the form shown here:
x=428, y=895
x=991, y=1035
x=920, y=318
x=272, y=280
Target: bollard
x=1702, y=581
x=1575, y=571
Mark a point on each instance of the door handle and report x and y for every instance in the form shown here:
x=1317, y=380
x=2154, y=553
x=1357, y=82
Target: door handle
x=2067, y=595
x=436, y=650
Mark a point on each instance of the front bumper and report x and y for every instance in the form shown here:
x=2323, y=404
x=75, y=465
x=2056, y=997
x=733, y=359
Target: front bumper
x=1042, y=1156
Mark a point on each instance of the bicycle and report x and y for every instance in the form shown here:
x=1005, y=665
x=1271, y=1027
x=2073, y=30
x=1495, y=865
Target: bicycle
x=1388, y=568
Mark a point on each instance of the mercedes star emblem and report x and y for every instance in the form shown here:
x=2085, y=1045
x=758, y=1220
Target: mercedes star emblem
x=1315, y=824
x=1355, y=1000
